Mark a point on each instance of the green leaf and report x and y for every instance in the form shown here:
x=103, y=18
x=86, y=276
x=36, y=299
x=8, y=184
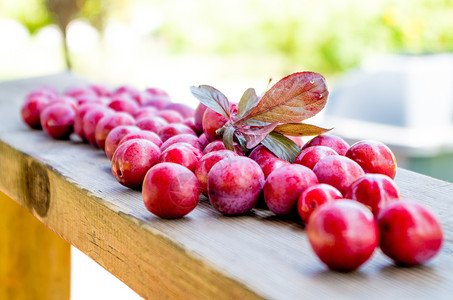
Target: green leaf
x=254, y=135
x=212, y=98
x=227, y=137
x=300, y=129
x=293, y=99
x=254, y=123
x=242, y=142
x=248, y=101
x=281, y=146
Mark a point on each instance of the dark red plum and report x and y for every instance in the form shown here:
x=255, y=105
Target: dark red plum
x=183, y=154
x=375, y=191
x=82, y=110
x=154, y=124
x=329, y=140
x=219, y=145
x=205, y=164
x=124, y=104
x=170, y=190
x=260, y=154
x=343, y=234
x=270, y=165
x=142, y=134
x=410, y=234
x=115, y=136
x=373, y=157
x=315, y=196
x=132, y=160
x=284, y=186
x=310, y=156
x=109, y=122
x=91, y=119
x=57, y=120
x=173, y=129
x=198, y=117
x=211, y=122
x=234, y=185
x=338, y=171
x=182, y=138
x=31, y=110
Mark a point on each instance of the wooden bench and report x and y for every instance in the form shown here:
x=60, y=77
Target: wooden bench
x=68, y=187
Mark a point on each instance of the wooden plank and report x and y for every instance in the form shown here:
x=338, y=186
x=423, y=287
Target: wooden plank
x=34, y=261
x=205, y=254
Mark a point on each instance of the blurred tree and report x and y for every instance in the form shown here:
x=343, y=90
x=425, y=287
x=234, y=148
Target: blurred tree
x=62, y=12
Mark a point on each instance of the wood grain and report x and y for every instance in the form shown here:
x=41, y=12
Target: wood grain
x=34, y=261
x=203, y=255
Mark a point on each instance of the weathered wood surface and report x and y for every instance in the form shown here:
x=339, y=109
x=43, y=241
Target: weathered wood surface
x=34, y=261
x=68, y=186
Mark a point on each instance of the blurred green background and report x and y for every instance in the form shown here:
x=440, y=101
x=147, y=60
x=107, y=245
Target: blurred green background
x=237, y=44
x=154, y=41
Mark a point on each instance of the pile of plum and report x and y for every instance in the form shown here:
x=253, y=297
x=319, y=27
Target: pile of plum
x=344, y=194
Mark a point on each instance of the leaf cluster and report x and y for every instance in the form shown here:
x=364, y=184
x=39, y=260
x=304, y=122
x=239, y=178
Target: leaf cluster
x=274, y=116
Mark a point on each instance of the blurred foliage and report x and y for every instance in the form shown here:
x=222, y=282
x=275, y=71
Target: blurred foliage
x=31, y=13
x=325, y=36
x=62, y=12
x=34, y=14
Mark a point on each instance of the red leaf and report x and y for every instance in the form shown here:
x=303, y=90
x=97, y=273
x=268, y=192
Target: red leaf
x=255, y=135
x=293, y=99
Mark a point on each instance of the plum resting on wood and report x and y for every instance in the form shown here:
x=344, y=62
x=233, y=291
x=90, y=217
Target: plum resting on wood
x=284, y=186
x=31, y=110
x=375, y=191
x=205, y=165
x=170, y=190
x=343, y=234
x=338, y=171
x=132, y=160
x=183, y=154
x=410, y=233
x=107, y=123
x=329, y=140
x=373, y=157
x=315, y=196
x=234, y=185
x=57, y=120
x=114, y=137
